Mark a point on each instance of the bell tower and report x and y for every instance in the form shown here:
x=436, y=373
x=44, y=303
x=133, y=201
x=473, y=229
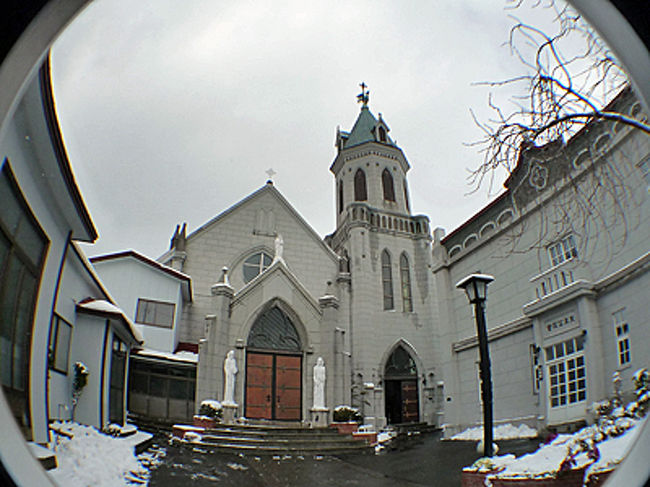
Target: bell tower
x=386, y=254
x=370, y=172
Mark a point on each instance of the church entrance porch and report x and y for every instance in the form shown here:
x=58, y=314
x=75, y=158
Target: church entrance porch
x=401, y=388
x=273, y=388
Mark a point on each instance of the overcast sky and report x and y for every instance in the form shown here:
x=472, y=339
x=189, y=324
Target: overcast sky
x=172, y=111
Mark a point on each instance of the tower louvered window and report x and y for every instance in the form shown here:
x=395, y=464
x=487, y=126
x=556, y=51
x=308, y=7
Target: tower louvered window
x=360, y=189
x=387, y=280
x=340, y=196
x=387, y=183
x=407, y=300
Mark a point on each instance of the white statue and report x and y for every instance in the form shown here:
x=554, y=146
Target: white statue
x=279, y=247
x=319, y=384
x=229, y=370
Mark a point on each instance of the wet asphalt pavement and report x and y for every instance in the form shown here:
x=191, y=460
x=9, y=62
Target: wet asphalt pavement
x=423, y=461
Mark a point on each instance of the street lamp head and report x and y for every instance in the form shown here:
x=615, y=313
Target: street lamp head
x=475, y=286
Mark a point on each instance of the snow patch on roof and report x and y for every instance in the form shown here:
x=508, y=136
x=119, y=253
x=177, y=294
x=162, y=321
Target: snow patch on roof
x=101, y=305
x=183, y=356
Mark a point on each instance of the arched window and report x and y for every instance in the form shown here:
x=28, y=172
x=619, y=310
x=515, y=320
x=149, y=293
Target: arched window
x=406, y=197
x=387, y=183
x=387, y=280
x=382, y=134
x=405, y=274
x=255, y=265
x=360, y=191
x=274, y=330
x=340, y=196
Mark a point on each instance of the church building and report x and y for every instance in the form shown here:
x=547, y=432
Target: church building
x=267, y=286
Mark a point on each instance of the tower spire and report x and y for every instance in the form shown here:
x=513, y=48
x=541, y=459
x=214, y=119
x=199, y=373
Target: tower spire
x=364, y=96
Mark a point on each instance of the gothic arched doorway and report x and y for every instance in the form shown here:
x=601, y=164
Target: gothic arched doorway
x=273, y=368
x=401, y=388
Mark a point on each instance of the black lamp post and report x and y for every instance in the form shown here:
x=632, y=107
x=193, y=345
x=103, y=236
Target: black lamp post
x=475, y=286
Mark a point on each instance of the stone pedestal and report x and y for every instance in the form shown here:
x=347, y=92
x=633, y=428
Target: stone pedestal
x=229, y=413
x=320, y=417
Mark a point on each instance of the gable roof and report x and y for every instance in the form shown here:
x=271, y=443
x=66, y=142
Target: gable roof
x=278, y=267
x=270, y=189
x=186, y=281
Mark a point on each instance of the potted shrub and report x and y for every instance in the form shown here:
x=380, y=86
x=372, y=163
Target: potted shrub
x=210, y=413
x=346, y=419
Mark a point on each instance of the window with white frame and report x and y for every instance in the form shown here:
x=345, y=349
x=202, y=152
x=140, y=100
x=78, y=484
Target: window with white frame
x=567, y=373
x=622, y=331
x=59, y=350
x=156, y=313
x=563, y=250
x=255, y=265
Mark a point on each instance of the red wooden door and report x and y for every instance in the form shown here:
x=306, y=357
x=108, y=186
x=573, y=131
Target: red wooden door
x=287, y=387
x=273, y=386
x=259, y=386
x=410, y=407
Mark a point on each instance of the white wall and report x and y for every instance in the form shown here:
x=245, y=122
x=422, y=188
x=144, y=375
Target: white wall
x=28, y=148
x=128, y=279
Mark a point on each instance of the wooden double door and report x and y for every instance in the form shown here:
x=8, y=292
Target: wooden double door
x=402, y=405
x=273, y=386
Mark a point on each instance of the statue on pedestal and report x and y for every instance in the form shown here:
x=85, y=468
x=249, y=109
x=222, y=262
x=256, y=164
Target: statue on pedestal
x=229, y=370
x=319, y=384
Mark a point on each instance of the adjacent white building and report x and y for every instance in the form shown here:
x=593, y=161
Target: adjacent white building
x=567, y=243
x=53, y=309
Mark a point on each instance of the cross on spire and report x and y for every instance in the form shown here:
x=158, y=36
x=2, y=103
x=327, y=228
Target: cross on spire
x=364, y=96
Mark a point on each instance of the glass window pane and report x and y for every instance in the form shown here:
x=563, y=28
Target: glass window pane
x=30, y=241
x=12, y=211
x=158, y=386
x=570, y=347
x=64, y=333
x=139, y=383
x=178, y=389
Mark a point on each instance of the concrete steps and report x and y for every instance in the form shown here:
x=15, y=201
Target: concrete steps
x=281, y=440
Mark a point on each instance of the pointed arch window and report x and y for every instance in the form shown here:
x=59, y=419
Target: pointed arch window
x=387, y=280
x=360, y=189
x=400, y=364
x=274, y=330
x=340, y=196
x=405, y=274
x=406, y=197
x=387, y=183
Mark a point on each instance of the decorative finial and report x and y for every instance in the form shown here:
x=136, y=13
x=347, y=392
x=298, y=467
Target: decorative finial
x=364, y=96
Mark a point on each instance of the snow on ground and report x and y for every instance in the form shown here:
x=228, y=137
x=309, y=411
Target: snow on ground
x=97, y=459
x=501, y=432
x=548, y=458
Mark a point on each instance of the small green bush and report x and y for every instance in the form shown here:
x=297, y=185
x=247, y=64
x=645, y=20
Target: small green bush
x=344, y=414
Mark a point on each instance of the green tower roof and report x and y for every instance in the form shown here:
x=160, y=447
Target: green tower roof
x=364, y=129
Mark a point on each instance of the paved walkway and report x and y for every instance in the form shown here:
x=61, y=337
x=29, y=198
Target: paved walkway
x=421, y=462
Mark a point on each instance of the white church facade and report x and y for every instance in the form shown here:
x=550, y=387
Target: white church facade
x=376, y=299
x=271, y=289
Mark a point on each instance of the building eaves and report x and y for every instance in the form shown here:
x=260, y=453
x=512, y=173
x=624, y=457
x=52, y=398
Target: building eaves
x=187, y=280
x=54, y=129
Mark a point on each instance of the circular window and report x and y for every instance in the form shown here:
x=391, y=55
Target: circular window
x=255, y=265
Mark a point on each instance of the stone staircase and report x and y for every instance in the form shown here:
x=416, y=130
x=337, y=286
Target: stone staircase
x=261, y=439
